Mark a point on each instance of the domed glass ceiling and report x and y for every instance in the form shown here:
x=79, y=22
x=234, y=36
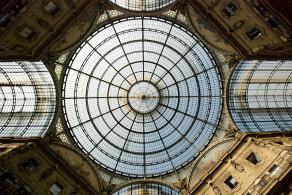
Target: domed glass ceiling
x=142, y=96
x=143, y=5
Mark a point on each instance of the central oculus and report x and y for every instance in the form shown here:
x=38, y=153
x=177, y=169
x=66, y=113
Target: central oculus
x=143, y=97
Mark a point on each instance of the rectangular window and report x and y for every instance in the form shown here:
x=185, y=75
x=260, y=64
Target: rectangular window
x=26, y=33
x=231, y=182
x=230, y=9
x=253, y=33
x=253, y=158
x=274, y=22
x=30, y=165
x=274, y=170
x=56, y=188
x=4, y=20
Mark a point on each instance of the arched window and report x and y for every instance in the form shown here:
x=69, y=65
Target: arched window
x=230, y=9
x=27, y=99
x=260, y=96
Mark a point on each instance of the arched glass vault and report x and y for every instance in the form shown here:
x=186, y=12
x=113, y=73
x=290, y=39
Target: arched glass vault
x=147, y=188
x=143, y=5
x=142, y=96
x=260, y=96
x=27, y=99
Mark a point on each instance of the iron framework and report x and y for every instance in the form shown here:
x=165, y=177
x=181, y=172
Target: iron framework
x=146, y=188
x=96, y=96
x=260, y=96
x=27, y=99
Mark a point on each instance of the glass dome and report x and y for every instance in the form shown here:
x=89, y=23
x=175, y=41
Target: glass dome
x=142, y=96
x=143, y=5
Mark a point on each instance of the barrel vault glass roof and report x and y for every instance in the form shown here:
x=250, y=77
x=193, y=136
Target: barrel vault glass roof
x=27, y=99
x=260, y=96
x=142, y=96
x=143, y=5
x=146, y=188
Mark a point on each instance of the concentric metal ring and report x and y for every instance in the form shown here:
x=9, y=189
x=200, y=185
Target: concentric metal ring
x=143, y=97
x=99, y=90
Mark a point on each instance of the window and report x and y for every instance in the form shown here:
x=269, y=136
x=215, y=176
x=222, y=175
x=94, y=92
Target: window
x=30, y=165
x=263, y=182
x=261, y=9
x=231, y=182
x=253, y=158
x=4, y=20
x=274, y=170
x=26, y=33
x=56, y=188
x=230, y=9
x=52, y=8
x=274, y=22
x=253, y=33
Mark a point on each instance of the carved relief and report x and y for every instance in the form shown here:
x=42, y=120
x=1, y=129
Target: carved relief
x=51, y=8
x=216, y=190
x=27, y=33
x=232, y=60
x=237, y=166
x=237, y=25
x=44, y=24
x=45, y=174
x=259, y=143
x=231, y=131
x=207, y=31
x=75, y=32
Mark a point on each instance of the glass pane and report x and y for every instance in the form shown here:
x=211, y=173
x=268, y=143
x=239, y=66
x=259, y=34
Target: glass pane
x=27, y=99
x=150, y=101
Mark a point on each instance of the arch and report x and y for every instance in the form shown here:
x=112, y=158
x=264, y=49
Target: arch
x=79, y=163
x=27, y=99
x=149, y=188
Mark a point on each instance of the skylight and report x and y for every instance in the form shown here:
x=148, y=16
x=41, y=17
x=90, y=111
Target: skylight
x=142, y=96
